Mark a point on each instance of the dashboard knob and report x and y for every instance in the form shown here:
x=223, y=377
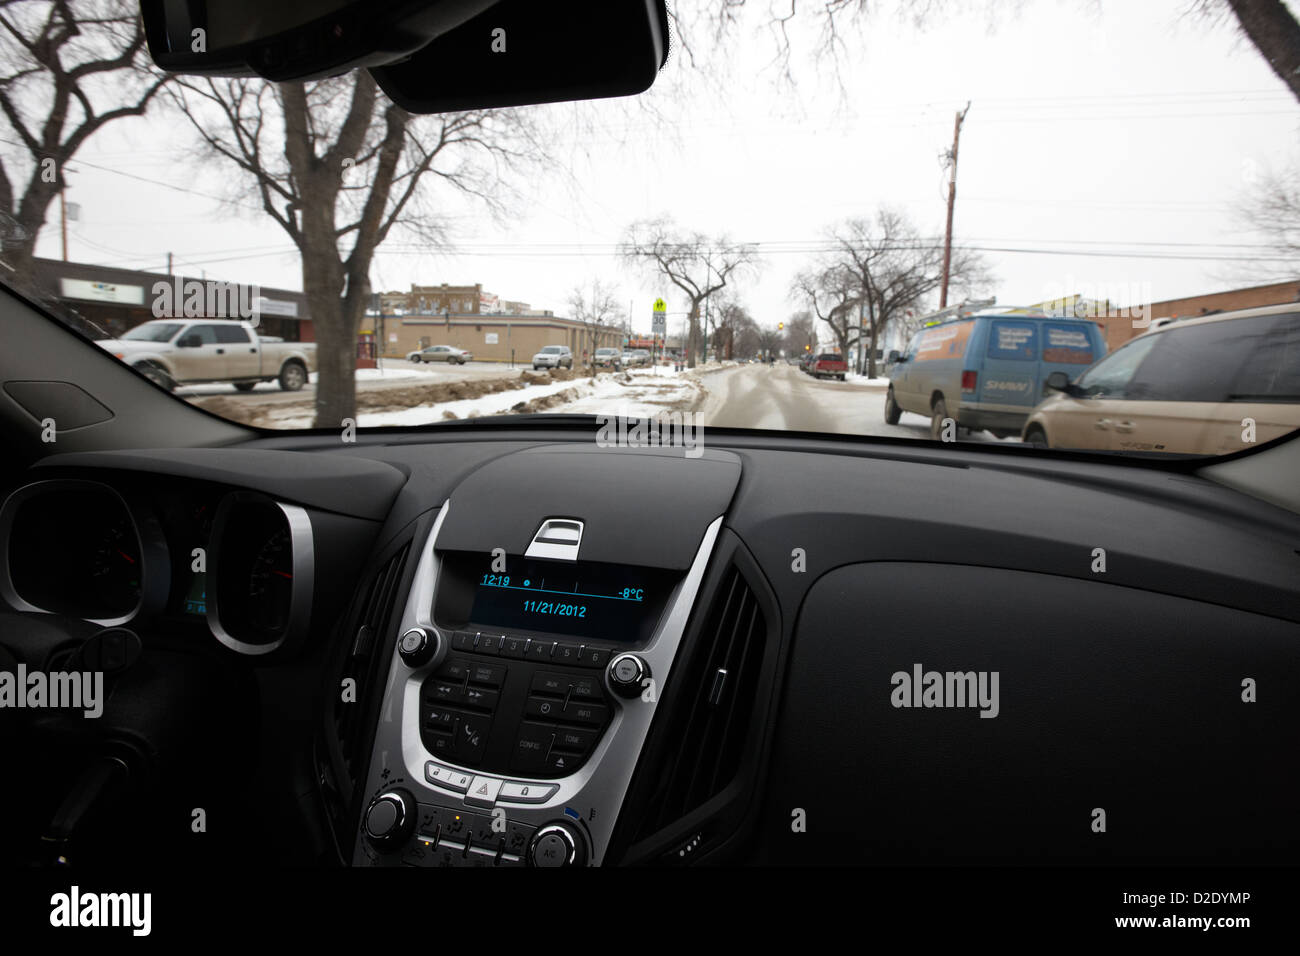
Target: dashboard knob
x=557, y=844
x=627, y=673
x=418, y=646
x=390, y=820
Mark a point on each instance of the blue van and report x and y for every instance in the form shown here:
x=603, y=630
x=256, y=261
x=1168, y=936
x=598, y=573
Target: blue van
x=987, y=371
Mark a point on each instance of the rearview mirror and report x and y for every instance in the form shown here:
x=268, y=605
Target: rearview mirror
x=293, y=39
x=1058, y=382
x=893, y=358
x=428, y=56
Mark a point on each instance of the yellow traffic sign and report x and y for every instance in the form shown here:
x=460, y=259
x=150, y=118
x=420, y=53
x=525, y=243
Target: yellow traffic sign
x=660, y=306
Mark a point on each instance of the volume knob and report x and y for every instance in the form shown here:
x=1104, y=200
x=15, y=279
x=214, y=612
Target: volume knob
x=418, y=646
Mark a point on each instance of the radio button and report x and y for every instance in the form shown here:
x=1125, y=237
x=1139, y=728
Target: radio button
x=472, y=737
x=442, y=745
x=562, y=762
x=440, y=719
x=587, y=687
x=574, y=739
x=488, y=644
x=541, y=707
x=551, y=683
x=539, y=650
x=582, y=712
x=565, y=653
x=531, y=747
x=487, y=673
x=483, y=792
x=463, y=641
x=593, y=656
x=445, y=777
x=485, y=699
x=514, y=647
x=454, y=670
x=516, y=791
x=451, y=693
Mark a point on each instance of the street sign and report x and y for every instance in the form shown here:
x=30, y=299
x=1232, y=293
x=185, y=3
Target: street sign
x=659, y=325
x=660, y=305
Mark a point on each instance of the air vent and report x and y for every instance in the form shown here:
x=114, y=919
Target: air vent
x=371, y=621
x=711, y=717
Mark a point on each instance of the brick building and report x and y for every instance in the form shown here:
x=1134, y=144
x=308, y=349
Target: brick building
x=1119, y=329
x=494, y=338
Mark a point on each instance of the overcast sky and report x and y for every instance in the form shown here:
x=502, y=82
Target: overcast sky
x=1123, y=130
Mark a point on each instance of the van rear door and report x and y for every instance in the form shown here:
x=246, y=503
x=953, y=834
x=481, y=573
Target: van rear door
x=1009, y=379
x=1069, y=347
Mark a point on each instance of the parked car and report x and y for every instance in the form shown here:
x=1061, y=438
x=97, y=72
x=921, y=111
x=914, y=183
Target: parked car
x=553, y=356
x=1204, y=386
x=173, y=352
x=629, y=359
x=828, y=365
x=986, y=371
x=607, y=358
x=440, y=353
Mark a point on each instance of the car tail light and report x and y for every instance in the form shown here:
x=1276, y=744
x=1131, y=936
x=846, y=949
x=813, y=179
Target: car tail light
x=968, y=381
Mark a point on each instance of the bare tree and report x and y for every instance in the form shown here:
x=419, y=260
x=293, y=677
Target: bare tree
x=1269, y=25
x=800, y=332
x=338, y=168
x=831, y=293
x=67, y=70
x=736, y=331
x=1272, y=208
x=694, y=263
x=893, y=268
x=597, y=308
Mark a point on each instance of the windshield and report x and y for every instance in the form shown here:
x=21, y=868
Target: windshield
x=845, y=218
x=152, y=332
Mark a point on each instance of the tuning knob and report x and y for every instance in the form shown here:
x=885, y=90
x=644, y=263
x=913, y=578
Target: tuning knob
x=557, y=844
x=418, y=646
x=627, y=673
x=390, y=820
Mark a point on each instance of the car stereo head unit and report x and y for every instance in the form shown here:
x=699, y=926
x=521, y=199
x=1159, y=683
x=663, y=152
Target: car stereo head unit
x=611, y=603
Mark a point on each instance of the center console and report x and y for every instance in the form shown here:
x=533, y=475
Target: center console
x=523, y=683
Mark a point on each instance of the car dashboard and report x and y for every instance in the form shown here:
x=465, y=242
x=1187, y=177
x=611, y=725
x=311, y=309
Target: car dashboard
x=513, y=647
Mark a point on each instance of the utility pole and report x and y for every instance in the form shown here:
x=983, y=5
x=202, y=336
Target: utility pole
x=63, y=218
x=952, y=201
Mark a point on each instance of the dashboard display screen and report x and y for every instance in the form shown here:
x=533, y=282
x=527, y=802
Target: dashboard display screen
x=195, y=597
x=607, y=602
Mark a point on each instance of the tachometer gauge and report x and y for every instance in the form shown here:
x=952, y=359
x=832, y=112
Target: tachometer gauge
x=115, y=566
x=270, y=583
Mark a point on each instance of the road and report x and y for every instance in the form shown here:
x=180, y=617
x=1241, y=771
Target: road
x=782, y=397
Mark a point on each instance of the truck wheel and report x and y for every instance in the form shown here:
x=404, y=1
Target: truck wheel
x=156, y=375
x=245, y=386
x=938, y=414
x=292, y=377
x=892, y=411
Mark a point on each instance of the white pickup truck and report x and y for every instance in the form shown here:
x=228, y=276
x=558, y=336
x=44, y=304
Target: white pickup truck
x=175, y=352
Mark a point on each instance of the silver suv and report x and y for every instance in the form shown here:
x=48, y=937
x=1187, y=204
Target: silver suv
x=553, y=356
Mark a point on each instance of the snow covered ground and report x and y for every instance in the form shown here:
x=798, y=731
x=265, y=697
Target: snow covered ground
x=642, y=392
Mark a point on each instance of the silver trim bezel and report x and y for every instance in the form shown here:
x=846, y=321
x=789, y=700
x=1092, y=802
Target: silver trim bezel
x=301, y=540
x=155, y=560
x=600, y=784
